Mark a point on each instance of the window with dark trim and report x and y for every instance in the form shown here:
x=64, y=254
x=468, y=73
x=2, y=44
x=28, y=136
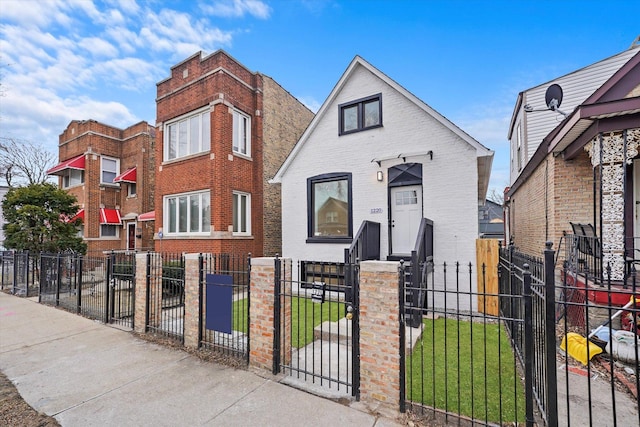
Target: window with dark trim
x=362, y=114
x=329, y=208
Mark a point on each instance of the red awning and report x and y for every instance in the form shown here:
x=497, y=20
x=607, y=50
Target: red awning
x=110, y=216
x=147, y=216
x=128, y=176
x=77, y=216
x=75, y=163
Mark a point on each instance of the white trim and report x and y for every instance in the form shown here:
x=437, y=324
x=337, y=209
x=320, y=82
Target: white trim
x=237, y=128
x=481, y=150
x=203, y=148
x=117, y=171
x=165, y=214
x=247, y=197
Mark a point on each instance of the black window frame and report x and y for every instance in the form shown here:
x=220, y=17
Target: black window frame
x=359, y=103
x=328, y=177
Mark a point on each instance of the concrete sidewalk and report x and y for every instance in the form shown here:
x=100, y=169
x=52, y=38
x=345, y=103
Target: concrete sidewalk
x=85, y=373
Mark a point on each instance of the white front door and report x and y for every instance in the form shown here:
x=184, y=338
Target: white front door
x=406, y=213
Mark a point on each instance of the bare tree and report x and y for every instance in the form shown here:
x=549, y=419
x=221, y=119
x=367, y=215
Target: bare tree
x=496, y=196
x=24, y=161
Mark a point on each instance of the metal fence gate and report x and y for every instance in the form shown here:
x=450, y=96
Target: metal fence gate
x=101, y=288
x=164, y=314
x=121, y=279
x=19, y=273
x=316, y=338
x=224, y=301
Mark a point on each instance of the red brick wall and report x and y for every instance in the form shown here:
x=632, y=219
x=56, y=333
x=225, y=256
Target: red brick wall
x=222, y=84
x=133, y=146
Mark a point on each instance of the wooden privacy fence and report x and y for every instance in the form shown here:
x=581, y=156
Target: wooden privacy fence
x=488, y=255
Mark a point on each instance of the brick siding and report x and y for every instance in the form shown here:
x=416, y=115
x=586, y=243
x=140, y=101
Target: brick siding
x=557, y=192
x=133, y=146
x=221, y=84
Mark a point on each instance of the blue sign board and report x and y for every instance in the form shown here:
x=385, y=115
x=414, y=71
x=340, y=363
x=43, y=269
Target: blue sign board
x=219, y=302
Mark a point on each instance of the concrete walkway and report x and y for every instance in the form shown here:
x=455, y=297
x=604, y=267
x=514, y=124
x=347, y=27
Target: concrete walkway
x=85, y=373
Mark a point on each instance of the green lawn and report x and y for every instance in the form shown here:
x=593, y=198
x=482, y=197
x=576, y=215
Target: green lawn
x=466, y=368
x=305, y=315
x=239, y=315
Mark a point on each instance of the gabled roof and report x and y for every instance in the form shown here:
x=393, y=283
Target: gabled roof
x=591, y=68
x=485, y=155
x=609, y=101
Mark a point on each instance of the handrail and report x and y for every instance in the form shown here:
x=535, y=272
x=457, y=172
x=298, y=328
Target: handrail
x=422, y=254
x=423, y=249
x=365, y=245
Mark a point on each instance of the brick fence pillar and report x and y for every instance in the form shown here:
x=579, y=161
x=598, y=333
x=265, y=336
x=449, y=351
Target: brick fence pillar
x=140, y=293
x=379, y=334
x=261, y=327
x=191, y=300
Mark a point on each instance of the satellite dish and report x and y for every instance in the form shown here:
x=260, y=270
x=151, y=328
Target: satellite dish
x=553, y=97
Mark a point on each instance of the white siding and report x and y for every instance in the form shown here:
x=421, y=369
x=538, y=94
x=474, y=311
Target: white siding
x=449, y=180
x=576, y=87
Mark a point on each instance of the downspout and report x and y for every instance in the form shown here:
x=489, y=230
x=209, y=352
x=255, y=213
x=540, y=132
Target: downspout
x=546, y=201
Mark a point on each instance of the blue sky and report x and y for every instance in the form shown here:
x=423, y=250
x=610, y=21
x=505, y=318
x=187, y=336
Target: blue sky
x=80, y=59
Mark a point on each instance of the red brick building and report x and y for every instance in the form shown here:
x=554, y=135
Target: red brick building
x=111, y=172
x=223, y=132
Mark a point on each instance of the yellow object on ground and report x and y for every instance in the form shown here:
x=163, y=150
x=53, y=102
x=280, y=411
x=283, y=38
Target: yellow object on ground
x=576, y=346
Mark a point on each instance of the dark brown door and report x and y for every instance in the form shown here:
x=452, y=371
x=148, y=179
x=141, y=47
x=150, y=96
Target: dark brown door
x=131, y=239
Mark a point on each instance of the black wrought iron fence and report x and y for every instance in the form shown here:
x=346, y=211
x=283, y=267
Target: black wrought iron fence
x=95, y=287
x=165, y=295
x=121, y=268
x=224, y=301
x=316, y=340
x=101, y=288
x=19, y=273
x=458, y=363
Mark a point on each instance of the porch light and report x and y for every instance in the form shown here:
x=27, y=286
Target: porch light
x=380, y=176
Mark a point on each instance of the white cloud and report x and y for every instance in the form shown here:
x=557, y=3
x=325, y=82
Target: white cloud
x=129, y=73
x=49, y=113
x=125, y=39
x=130, y=7
x=35, y=14
x=238, y=8
x=98, y=47
x=69, y=60
x=181, y=34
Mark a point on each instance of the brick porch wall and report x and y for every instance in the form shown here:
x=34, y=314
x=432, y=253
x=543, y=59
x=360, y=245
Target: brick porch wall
x=379, y=334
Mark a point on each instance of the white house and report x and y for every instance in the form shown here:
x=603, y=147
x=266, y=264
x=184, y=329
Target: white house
x=376, y=152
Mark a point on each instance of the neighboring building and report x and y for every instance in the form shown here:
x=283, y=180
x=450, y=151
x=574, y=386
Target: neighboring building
x=528, y=129
x=376, y=152
x=223, y=133
x=3, y=192
x=587, y=171
x=491, y=220
x=111, y=172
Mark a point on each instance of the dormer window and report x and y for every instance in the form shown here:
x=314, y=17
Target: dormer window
x=362, y=114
